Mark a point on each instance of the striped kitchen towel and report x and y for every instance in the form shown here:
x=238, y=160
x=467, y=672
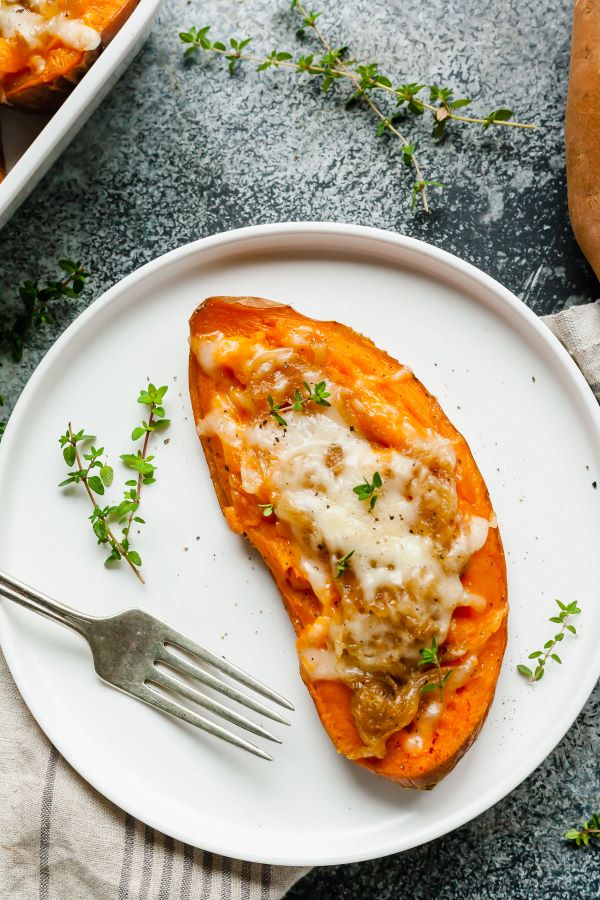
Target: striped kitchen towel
x=60, y=840
x=578, y=329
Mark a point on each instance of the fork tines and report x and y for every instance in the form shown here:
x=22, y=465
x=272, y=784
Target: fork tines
x=173, y=662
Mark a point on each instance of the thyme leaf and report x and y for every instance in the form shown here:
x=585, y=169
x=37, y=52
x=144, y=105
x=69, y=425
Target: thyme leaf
x=430, y=657
x=369, y=490
x=341, y=564
x=590, y=830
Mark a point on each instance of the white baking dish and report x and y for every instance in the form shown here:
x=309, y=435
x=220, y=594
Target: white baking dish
x=33, y=142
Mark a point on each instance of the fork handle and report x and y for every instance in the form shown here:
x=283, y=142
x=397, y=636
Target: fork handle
x=31, y=599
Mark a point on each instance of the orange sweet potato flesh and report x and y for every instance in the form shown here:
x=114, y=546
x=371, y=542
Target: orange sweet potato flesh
x=44, y=91
x=582, y=130
x=348, y=355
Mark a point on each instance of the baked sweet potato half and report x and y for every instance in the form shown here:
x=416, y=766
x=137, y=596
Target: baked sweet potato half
x=46, y=46
x=368, y=508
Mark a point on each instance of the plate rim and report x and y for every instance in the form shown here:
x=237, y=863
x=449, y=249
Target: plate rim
x=341, y=231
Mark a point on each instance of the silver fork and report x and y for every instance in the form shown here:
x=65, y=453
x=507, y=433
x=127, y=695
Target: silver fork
x=126, y=649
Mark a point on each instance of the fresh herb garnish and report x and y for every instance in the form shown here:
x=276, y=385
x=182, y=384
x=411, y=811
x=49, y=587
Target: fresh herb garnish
x=365, y=80
x=589, y=829
x=429, y=657
x=34, y=311
x=274, y=411
x=541, y=657
x=95, y=484
x=342, y=564
x=96, y=475
x=369, y=490
x=35, y=306
x=153, y=398
x=317, y=394
x=267, y=508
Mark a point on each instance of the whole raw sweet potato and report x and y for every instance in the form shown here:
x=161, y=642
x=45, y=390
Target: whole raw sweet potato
x=582, y=131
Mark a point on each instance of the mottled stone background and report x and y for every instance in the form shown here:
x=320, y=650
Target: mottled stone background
x=176, y=153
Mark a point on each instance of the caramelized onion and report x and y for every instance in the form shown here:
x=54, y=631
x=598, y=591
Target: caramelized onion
x=380, y=707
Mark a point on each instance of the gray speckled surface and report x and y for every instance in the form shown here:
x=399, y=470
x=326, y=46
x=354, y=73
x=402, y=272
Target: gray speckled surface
x=174, y=154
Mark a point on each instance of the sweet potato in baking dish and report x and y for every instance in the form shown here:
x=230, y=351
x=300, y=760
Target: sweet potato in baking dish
x=368, y=508
x=46, y=46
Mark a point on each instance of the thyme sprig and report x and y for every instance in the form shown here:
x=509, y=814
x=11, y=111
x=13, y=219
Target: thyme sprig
x=95, y=482
x=34, y=311
x=366, y=81
x=317, y=394
x=369, y=490
x=589, y=830
x=341, y=564
x=548, y=652
x=141, y=462
x=430, y=657
x=35, y=306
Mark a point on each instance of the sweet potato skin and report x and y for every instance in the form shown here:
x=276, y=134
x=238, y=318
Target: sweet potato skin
x=465, y=713
x=2, y=162
x=582, y=130
x=47, y=96
x=45, y=93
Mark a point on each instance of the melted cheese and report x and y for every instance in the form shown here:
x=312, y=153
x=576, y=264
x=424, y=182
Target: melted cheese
x=406, y=591
x=402, y=582
x=219, y=423
x=253, y=362
x=36, y=28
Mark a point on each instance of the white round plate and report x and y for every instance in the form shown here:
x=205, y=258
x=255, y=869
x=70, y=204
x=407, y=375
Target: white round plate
x=505, y=382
